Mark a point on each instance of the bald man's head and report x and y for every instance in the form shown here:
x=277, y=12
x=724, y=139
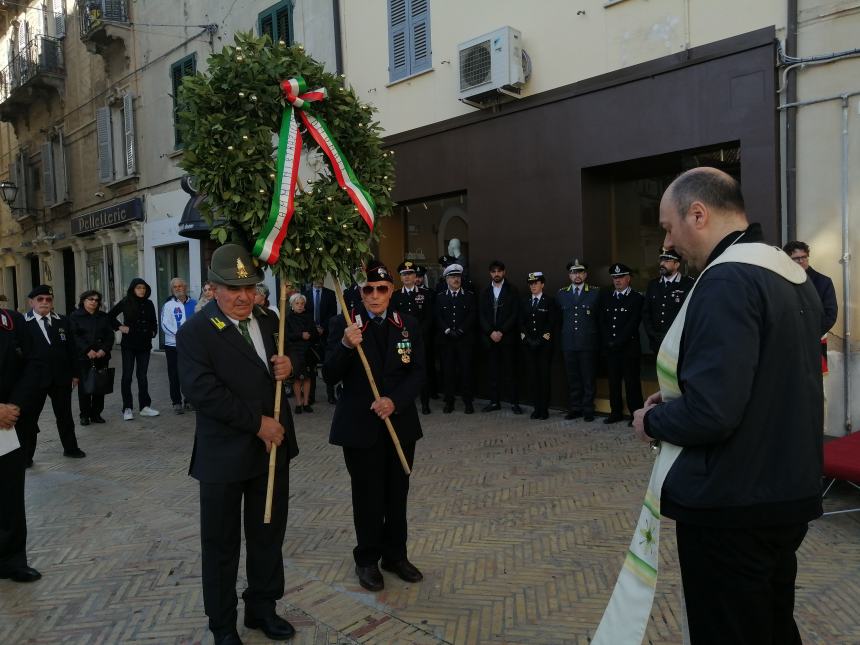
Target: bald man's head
x=714, y=188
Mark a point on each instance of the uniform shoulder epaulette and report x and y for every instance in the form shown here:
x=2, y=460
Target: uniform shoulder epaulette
x=568, y=288
x=218, y=323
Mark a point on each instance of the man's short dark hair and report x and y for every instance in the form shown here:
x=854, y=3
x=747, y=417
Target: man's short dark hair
x=497, y=264
x=714, y=189
x=795, y=245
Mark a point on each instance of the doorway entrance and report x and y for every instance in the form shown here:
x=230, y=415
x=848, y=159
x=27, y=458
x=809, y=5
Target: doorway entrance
x=170, y=262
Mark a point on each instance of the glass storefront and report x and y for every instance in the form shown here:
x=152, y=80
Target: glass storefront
x=170, y=262
x=128, y=264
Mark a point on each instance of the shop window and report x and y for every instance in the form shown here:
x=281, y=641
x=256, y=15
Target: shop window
x=179, y=70
x=276, y=22
x=409, y=50
x=127, y=264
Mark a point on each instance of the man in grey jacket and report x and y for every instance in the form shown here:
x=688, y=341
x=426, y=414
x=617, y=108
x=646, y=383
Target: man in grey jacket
x=749, y=420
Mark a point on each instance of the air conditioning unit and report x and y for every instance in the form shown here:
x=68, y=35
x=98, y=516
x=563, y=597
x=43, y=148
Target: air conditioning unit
x=493, y=67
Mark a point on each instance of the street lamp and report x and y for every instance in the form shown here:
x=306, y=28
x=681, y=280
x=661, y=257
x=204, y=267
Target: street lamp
x=10, y=192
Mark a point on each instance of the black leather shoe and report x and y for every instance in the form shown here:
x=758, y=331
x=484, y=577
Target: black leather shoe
x=534, y=415
x=308, y=409
x=448, y=409
x=425, y=409
x=77, y=453
x=21, y=574
x=572, y=415
x=516, y=409
x=230, y=638
x=544, y=416
x=404, y=569
x=298, y=409
x=469, y=408
x=613, y=418
x=491, y=407
x=29, y=463
x=85, y=421
x=370, y=577
x=97, y=419
x=588, y=417
x=273, y=626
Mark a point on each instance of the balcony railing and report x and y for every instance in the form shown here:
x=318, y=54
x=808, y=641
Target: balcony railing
x=40, y=58
x=94, y=14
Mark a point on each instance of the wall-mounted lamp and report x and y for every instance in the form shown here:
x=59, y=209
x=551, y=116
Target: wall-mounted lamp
x=9, y=192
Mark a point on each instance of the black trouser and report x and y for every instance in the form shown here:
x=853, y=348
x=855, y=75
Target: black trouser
x=430, y=348
x=457, y=369
x=221, y=537
x=581, y=371
x=538, y=360
x=13, y=520
x=739, y=583
x=173, y=374
x=622, y=365
x=502, y=366
x=91, y=405
x=130, y=357
x=379, y=492
x=61, y=403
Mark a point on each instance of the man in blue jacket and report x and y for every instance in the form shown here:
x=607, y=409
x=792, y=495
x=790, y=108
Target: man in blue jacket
x=749, y=419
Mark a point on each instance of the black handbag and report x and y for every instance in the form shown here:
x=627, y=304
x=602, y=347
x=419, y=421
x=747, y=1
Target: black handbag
x=98, y=380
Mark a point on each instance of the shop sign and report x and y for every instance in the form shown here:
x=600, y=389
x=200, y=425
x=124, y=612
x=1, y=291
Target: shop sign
x=130, y=211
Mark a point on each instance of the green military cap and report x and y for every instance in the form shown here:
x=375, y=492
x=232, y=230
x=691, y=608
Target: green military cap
x=233, y=266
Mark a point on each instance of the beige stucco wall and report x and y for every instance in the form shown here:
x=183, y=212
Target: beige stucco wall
x=565, y=46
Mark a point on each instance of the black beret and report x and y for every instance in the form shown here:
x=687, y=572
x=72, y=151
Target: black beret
x=377, y=272
x=41, y=290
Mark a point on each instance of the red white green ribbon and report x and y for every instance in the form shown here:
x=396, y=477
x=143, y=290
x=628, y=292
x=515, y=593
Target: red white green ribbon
x=268, y=244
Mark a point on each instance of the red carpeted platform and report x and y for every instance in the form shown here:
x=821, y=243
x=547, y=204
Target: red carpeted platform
x=842, y=463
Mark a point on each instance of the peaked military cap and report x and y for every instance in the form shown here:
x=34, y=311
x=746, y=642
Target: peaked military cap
x=233, y=266
x=41, y=290
x=377, y=272
x=445, y=260
x=617, y=270
x=670, y=254
x=452, y=270
x=576, y=265
x=407, y=266
x=420, y=270
x=535, y=276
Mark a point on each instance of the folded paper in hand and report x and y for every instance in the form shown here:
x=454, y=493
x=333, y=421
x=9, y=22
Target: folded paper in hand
x=8, y=441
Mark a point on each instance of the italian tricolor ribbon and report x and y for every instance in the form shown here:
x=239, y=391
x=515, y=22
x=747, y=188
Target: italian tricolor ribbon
x=268, y=244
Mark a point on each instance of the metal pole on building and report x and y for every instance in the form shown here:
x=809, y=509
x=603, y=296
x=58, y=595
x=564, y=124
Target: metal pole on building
x=846, y=270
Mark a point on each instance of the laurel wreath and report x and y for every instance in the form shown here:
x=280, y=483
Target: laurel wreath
x=229, y=119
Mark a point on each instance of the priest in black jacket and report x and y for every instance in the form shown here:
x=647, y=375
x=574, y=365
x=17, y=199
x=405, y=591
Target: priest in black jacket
x=228, y=368
x=394, y=348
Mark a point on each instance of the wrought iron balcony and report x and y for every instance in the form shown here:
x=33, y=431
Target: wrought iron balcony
x=36, y=69
x=99, y=20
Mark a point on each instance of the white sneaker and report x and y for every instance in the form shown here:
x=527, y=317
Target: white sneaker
x=127, y=414
x=149, y=412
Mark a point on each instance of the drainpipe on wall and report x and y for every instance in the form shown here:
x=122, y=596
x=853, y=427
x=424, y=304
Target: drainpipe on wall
x=338, y=50
x=846, y=264
x=791, y=126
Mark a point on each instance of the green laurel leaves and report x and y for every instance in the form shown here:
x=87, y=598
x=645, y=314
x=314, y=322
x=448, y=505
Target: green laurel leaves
x=229, y=118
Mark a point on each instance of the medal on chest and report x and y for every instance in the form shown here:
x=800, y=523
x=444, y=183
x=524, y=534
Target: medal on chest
x=404, y=349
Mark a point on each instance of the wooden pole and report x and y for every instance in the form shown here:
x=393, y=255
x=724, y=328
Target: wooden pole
x=371, y=380
x=279, y=388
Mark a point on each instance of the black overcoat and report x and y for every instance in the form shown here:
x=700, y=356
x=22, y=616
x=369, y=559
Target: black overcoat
x=55, y=362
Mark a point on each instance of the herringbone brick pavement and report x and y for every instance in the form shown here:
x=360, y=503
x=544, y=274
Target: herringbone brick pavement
x=519, y=527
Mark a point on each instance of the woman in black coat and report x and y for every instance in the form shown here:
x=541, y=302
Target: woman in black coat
x=92, y=333
x=302, y=334
x=139, y=326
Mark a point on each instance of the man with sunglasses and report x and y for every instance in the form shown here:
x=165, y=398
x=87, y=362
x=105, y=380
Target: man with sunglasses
x=54, y=363
x=394, y=348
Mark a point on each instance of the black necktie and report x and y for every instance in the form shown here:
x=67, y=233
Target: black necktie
x=46, y=323
x=618, y=295
x=534, y=303
x=379, y=320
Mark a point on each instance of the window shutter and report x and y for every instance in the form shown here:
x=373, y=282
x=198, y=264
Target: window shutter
x=61, y=175
x=105, y=145
x=398, y=46
x=21, y=180
x=49, y=190
x=60, y=25
x=419, y=50
x=128, y=127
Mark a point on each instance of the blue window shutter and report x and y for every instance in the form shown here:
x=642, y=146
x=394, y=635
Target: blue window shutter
x=419, y=46
x=105, y=145
x=48, y=187
x=398, y=40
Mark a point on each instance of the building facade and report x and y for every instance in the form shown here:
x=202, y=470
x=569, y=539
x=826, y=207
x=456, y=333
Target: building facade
x=567, y=154
x=88, y=136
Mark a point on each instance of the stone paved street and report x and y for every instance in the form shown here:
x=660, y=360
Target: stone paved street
x=519, y=527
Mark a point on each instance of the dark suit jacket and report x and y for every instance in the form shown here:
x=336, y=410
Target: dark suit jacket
x=455, y=313
x=328, y=306
x=55, y=363
x=354, y=423
x=536, y=321
x=16, y=345
x=506, y=313
x=824, y=286
x=230, y=386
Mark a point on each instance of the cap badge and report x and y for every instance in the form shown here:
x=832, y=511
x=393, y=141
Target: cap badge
x=617, y=269
x=241, y=271
x=219, y=324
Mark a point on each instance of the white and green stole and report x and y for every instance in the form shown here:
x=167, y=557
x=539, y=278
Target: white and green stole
x=626, y=617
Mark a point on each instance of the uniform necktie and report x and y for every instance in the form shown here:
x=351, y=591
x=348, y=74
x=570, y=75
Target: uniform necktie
x=379, y=320
x=243, y=328
x=618, y=295
x=534, y=303
x=46, y=323
x=576, y=292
